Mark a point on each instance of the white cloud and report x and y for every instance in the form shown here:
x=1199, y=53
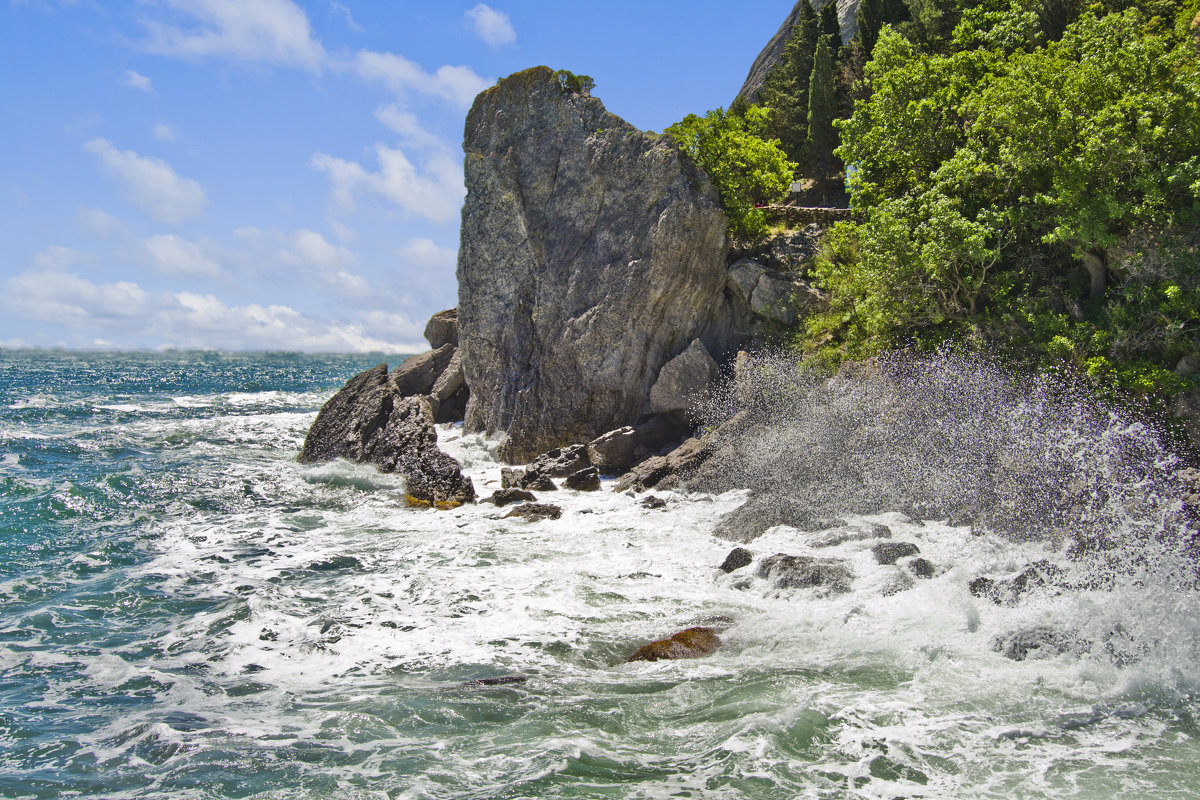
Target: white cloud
x=165, y=132
x=434, y=192
x=344, y=12
x=169, y=254
x=310, y=257
x=99, y=222
x=428, y=254
x=262, y=31
x=137, y=81
x=311, y=249
x=459, y=85
x=151, y=183
x=57, y=257
x=409, y=127
x=492, y=26
x=124, y=314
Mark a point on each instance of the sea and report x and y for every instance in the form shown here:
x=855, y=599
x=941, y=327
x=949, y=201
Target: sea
x=188, y=612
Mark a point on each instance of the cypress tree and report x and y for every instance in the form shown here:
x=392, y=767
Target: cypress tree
x=831, y=28
x=785, y=90
x=822, y=105
x=869, y=20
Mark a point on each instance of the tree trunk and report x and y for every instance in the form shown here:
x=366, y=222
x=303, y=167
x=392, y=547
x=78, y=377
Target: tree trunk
x=1094, y=261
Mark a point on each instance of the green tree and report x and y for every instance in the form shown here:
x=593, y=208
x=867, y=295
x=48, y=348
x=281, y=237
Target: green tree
x=1003, y=183
x=831, y=28
x=746, y=169
x=821, y=138
x=785, y=90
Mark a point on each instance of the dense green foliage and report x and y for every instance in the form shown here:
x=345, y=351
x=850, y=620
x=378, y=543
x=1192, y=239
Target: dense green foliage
x=746, y=169
x=1030, y=180
x=575, y=84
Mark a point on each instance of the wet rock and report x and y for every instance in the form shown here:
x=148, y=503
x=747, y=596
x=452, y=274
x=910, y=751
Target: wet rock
x=504, y=497
x=335, y=563
x=891, y=552
x=561, y=461
x=1009, y=591
x=652, y=502
x=691, y=643
x=528, y=479
x=759, y=514
x=835, y=538
x=682, y=462
x=898, y=581
x=585, y=480
x=592, y=254
x=418, y=374
x=612, y=453
x=442, y=329
x=1038, y=642
x=802, y=572
x=535, y=511
x=738, y=557
x=921, y=567
x=369, y=422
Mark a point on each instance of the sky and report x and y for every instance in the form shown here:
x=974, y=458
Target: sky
x=287, y=174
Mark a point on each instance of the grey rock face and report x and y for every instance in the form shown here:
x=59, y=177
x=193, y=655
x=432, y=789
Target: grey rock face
x=503, y=497
x=419, y=373
x=683, y=379
x=612, y=452
x=449, y=394
x=442, y=329
x=368, y=421
x=561, y=461
x=591, y=254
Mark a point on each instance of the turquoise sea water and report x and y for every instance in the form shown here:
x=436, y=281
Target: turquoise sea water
x=186, y=612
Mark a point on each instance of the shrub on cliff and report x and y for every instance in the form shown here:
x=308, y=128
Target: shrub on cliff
x=746, y=169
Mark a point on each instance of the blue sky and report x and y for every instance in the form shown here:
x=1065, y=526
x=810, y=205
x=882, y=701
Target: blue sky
x=287, y=174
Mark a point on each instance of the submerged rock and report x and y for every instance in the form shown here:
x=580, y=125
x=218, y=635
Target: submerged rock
x=592, y=254
x=691, y=643
x=369, y=422
x=1038, y=642
x=802, y=572
x=891, y=552
x=921, y=567
x=1009, y=591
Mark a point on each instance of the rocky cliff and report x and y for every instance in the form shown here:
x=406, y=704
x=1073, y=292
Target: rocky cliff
x=592, y=254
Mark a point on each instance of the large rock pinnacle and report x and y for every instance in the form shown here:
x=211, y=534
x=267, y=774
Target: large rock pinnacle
x=592, y=254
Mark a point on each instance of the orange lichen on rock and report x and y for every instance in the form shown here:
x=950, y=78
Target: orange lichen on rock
x=692, y=643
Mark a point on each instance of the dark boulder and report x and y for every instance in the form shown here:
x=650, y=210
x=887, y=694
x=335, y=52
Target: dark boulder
x=368, y=422
x=921, y=567
x=738, y=557
x=561, y=461
x=504, y=497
